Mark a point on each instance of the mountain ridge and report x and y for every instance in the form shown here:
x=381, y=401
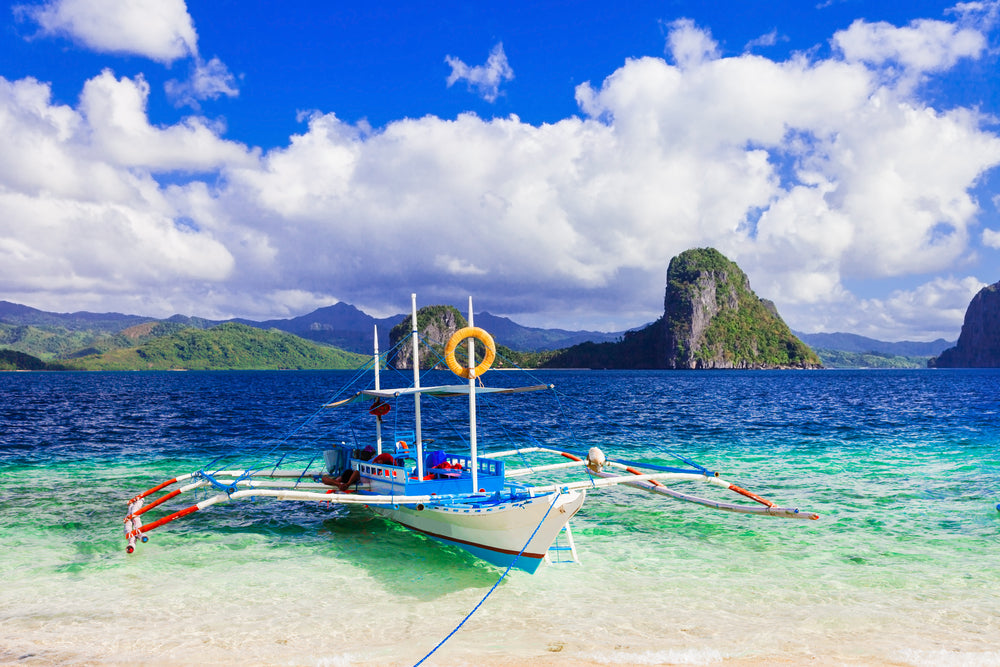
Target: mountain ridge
x=322, y=325
x=848, y=342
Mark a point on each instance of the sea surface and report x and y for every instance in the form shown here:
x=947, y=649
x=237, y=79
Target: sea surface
x=902, y=567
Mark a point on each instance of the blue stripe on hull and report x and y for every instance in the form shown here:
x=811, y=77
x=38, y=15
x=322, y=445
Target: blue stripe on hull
x=527, y=562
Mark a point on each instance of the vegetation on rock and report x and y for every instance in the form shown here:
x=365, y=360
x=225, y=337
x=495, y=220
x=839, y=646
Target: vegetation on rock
x=841, y=359
x=712, y=319
x=437, y=324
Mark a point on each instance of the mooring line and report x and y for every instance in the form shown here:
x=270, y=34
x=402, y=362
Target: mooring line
x=555, y=497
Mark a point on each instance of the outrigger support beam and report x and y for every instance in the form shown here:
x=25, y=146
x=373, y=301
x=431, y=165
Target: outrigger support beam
x=650, y=482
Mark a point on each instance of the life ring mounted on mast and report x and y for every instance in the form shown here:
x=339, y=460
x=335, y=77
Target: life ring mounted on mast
x=462, y=334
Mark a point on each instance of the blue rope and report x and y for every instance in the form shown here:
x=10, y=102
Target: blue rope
x=489, y=592
x=560, y=397
x=228, y=489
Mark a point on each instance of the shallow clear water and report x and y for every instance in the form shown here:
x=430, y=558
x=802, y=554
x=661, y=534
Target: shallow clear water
x=903, y=566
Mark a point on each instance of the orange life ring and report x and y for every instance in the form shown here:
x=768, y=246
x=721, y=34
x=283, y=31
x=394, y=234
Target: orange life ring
x=470, y=332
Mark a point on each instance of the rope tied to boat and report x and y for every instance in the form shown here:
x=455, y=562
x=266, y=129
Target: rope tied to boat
x=555, y=497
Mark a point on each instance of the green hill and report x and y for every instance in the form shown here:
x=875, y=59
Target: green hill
x=841, y=359
x=227, y=346
x=12, y=360
x=60, y=342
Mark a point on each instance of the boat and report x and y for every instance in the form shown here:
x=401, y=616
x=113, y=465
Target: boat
x=480, y=502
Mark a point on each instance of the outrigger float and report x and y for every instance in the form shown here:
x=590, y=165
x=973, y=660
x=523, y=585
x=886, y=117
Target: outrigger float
x=467, y=499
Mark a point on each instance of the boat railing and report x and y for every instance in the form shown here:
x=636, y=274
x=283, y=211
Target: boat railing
x=385, y=470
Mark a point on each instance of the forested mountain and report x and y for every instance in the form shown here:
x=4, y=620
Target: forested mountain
x=228, y=346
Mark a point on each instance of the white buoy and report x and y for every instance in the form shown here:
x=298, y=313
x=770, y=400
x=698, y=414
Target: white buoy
x=595, y=459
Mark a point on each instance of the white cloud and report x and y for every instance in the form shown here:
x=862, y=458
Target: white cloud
x=923, y=46
x=484, y=79
x=934, y=309
x=983, y=15
x=119, y=129
x=690, y=45
x=457, y=266
x=161, y=30
x=208, y=80
x=770, y=39
x=991, y=238
x=80, y=212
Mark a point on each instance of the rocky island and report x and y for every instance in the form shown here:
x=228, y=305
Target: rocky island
x=711, y=319
x=978, y=345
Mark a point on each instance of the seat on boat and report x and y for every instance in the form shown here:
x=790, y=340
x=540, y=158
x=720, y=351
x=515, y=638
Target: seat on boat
x=403, y=441
x=434, y=459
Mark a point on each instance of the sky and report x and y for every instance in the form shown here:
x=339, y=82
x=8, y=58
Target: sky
x=224, y=158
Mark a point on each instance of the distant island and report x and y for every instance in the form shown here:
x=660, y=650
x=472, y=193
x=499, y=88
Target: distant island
x=844, y=350
x=228, y=346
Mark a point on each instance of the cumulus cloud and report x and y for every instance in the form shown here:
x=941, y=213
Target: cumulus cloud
x=922, y=46
x=935, y=309
x=207, y=80
x=814, y=174
x=484, y=79
x=690, y=45
x=991, y=238
x=119, y=130
x=81, y=213
x=161, y=30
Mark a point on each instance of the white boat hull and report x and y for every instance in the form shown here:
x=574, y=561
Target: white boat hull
x=495, y=532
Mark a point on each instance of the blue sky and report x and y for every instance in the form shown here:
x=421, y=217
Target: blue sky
x=261, y=159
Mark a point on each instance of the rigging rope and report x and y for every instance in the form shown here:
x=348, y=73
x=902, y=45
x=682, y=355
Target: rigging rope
x=589, y=409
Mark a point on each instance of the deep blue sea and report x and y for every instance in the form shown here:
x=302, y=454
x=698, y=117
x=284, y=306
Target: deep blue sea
x=902, y=568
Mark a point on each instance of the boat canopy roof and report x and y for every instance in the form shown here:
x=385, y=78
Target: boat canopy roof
x=444, y=391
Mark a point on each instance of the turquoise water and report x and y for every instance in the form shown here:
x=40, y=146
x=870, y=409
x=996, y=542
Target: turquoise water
x=902, y=568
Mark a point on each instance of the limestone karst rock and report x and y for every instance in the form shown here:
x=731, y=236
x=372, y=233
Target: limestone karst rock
x=978, y=345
